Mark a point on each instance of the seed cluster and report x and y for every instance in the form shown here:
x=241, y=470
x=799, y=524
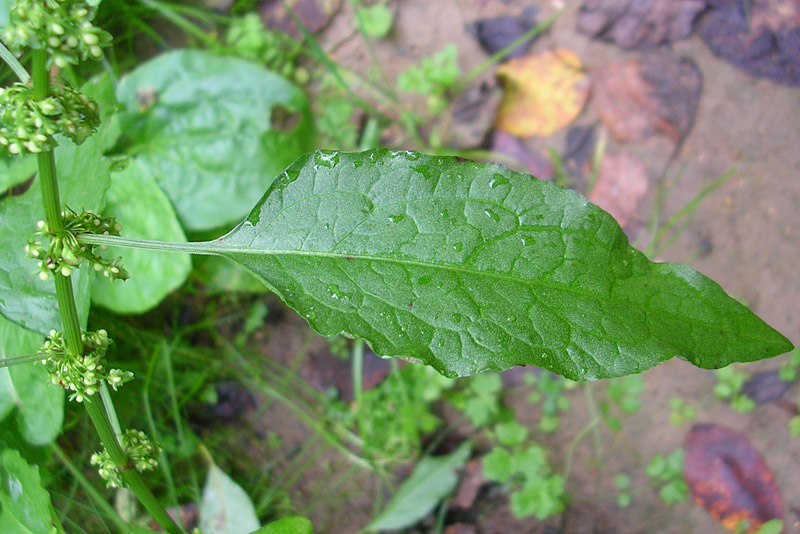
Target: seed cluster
x=82, y=375
x=28, y=125
x=62, y=27
x=64, y=253
x=141, y=455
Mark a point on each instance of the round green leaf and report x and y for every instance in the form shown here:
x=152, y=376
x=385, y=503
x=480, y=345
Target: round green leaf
x=144, y=211
x=214, y=130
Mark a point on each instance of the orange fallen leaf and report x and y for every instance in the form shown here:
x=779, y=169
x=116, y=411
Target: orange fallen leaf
x=544, y=93
x=729, y=478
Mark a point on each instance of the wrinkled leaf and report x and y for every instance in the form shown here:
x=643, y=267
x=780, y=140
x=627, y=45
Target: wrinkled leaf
x=144, y=211
x=639, y=98
x=433, y=478
x=26, y=507
x=544, y=93
x=226, y=508
x=204, y=125
x=287, y=525
x=26, y=387
x=761, y=37
x=729, y=478
x=14, y=170
x=639, y=23
x=83, y=177
x=621, y=184
x=469, y=267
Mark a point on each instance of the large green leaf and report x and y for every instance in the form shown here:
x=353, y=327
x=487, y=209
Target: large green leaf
x=226, y=508
x=14, y=170
x=287, y=525
x=470, y=267
x=84, y=175
x=144, y=211
x=214, y=129
x=433, y=478
x=26, y=387
x=26, y=507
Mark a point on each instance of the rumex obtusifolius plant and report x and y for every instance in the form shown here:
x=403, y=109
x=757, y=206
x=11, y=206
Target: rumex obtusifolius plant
x=463, y=266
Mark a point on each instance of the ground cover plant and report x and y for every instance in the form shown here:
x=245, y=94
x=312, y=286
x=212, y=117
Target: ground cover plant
x=465, y=267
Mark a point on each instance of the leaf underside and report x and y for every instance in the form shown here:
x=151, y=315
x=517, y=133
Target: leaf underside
x=470, y=267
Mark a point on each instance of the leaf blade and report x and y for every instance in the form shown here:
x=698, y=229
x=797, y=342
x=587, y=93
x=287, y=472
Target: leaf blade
x=226, y=508
x=470, y=267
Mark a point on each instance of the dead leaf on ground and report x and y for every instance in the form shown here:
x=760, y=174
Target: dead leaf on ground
x=638, y=98
x=529, y=161
x=313, y=14
x=765, y=387
x=639, y=23
x=544, y=93
x=579, y=153
x=762, y=37
x=473, y=115
x=621, y=184
x=471, y=482
x=460, y=528
x=729, y=478
x=494, y=34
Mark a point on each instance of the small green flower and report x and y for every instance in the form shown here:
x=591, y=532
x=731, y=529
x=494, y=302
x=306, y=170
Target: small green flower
x=64, y=253
x=61, y=27
x=141, y=454
x=28, y=125
x=81, y=375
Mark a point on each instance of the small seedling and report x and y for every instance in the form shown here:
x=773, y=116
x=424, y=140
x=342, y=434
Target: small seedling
x=623, y=484
x=666, y=473
x=435, y=77
x=549, y=392
x=681, y=412
x=623, y=400
x=730, y=382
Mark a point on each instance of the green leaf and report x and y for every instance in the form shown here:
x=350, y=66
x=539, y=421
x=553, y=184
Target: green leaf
x=376, y=20
x=5, y=10
x=469, y=267
x=226, y=508
x=144, y=211
x=27, y=387
x=432, y=480
x=287, y=525
x=14, y=170
x=214, y=130
x=83, y=177
x=26, y=507
x=498, y=465
x=510, y=433
x=219, y=275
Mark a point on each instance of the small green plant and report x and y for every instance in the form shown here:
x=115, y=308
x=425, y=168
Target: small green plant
x=729, y=387
x=524, y=469
x=623, y=400
x=481, y=399
x=681, y=412
x=549, y=391
x=434, y=77
x=375, y=20
x=622, y=483
x=789, y=368
x=666, y=473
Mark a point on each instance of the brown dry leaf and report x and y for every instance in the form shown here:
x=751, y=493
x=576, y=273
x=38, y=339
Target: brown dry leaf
x=471, y=482
x=621, y=184
x=473, y=115
x=658, y=93
x=761, y=37
x=313, y=14
x=639, y=23
x=729, y=478
x=529, y=161
x=544, y=93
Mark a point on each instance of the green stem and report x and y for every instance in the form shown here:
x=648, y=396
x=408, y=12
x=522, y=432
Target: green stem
x=196, y=247
x=8, y=362
x=13, y=62
x=69, y=314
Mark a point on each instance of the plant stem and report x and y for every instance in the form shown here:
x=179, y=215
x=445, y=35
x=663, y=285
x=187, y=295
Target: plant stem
x=69, y=314
x=195, y=247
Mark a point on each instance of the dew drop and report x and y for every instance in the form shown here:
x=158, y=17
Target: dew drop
x=457, y=317
x=326, y=159
x=511, y=319
x=327, y=226
x=411, y=156
x=441, y=342
x=334, y=291
x=396, y=218
x=357, y=163
x=498, y=180
x=424, y=280
x=492, y=215
x=458, y=247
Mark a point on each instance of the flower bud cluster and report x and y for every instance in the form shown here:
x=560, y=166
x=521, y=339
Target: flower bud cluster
x=82, y=375
x=64, y=253
x=62, y=27
x=28, y=125
x=141, y=456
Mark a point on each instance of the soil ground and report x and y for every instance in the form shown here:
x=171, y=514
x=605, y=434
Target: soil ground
x=748, y=233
